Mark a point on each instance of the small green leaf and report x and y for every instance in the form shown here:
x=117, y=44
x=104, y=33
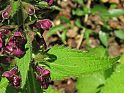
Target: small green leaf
x=71, y=62
x=119, y=34
x=64, y=19
x=15, y=7
x=54, y=29
x=42, y=4
x=78, y=12
x=116, y=12
x=55, y=8
x=78, y=23
x=99, y=9
x=103, y=38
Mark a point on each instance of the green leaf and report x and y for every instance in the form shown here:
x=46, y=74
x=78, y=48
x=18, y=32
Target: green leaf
x=63, y=36
x=78, y=23
x=42, y=4
x=3, y=85
x=90, y=83
x=116, y=12
x=51, y=90
x=55, y=8
x=103, y=38
x=115, y=84
x=54, y=29
x=15, y=6
x=32, y=85
x=23, y=63
x=119, y=34
x=78, y=12
x=71, y=62
x=64, y=19
x=99, y=9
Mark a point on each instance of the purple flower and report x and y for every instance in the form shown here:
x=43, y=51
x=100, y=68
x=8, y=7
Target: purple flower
x=10, y=73
x=50, y=2
x=13, y=78
x=45, y=24
x=44, y=81
x=16, y=44
x=7, y=12
x=43, y=76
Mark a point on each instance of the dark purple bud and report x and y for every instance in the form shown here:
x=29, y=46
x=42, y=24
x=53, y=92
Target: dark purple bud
x=6, y=59
x=16, y=81
x=10, y=73
x=5, y=31
x=7, y=12
x=50, y=2
x=45, y=24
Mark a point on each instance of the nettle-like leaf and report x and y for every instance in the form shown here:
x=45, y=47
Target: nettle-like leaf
x=23, y=63
x=70, y=62
x=115, y=84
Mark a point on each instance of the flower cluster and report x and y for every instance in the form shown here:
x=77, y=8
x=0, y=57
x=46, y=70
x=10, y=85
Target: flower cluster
x=13, y=41
x=15, y=45
x=43, y=76
x=13, y=77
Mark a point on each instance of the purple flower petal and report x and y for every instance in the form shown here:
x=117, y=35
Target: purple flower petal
x=10, y=73
x=18, y=52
